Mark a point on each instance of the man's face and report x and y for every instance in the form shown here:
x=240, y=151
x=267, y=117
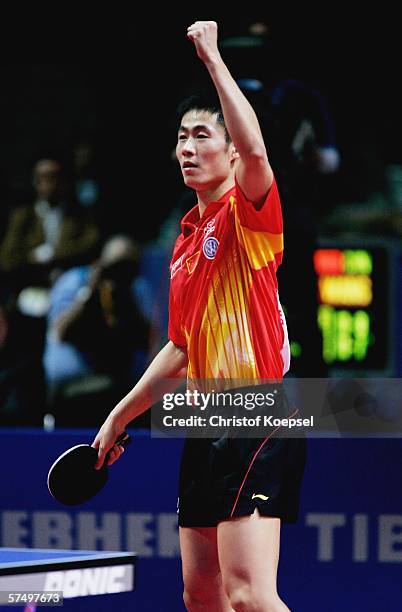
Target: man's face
x=202, y=150
x=47, y=179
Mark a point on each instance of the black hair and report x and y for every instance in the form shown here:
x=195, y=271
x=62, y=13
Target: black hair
x=204, y=102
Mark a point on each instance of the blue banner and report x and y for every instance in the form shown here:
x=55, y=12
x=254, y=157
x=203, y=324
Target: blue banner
x=345, y=553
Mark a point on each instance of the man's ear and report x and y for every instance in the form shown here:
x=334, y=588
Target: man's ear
x=234, y=153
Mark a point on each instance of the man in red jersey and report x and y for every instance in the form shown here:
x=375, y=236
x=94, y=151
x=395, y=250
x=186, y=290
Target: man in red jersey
x=224, y=324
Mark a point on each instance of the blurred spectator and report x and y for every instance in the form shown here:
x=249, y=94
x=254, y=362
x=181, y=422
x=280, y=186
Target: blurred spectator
x=306, y=156
x=22, y=387
x=51, y=234
x=300, y=136
x=98, y=333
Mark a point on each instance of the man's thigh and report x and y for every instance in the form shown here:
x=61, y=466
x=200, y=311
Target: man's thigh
x=199, y=551
x=248, y=549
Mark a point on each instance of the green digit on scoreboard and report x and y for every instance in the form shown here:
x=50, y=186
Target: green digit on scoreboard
x=345, y=334
x=361, y=332
x=358, y=261
x=327, y=324
x=344, y=341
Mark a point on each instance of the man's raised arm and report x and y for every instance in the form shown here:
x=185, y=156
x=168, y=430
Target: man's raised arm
x=253, y=172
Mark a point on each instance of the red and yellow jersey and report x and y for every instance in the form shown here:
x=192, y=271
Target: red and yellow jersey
x=223, y=291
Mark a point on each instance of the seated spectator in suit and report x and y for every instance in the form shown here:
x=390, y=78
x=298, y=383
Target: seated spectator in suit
x=51, y=234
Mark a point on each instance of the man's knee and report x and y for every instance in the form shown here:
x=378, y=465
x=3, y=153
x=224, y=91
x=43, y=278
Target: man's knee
x=192, y=601
x=195, y=601
x=245, y=598
x=201, y=589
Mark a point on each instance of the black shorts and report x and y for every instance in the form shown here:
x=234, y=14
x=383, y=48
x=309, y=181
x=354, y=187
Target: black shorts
x=230, y=477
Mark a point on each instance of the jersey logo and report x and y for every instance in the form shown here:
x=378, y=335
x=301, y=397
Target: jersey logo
x=192, y=261
x=210, y=247
x=260, y=495
x=209, y=228
x=176, y=266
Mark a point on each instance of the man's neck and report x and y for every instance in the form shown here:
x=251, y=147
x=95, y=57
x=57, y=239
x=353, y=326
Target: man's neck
x=212, y=195
x=47, y=204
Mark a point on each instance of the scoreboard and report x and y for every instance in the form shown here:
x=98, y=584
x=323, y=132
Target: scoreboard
x=356, y=304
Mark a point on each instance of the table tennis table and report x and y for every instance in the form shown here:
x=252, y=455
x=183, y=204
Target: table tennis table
x=74, y=573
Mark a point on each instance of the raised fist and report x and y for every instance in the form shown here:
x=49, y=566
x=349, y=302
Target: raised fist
x=204, y=35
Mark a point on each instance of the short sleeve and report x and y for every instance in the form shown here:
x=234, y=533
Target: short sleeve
x=268, y=218
x=260, y=232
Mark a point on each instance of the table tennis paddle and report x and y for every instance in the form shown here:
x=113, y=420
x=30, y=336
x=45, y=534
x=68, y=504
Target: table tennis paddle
x=73, y=480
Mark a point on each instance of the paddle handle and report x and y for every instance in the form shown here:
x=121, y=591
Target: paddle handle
x=123, y=439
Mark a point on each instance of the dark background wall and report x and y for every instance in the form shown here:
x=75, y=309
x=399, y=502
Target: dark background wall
x=118, y=80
